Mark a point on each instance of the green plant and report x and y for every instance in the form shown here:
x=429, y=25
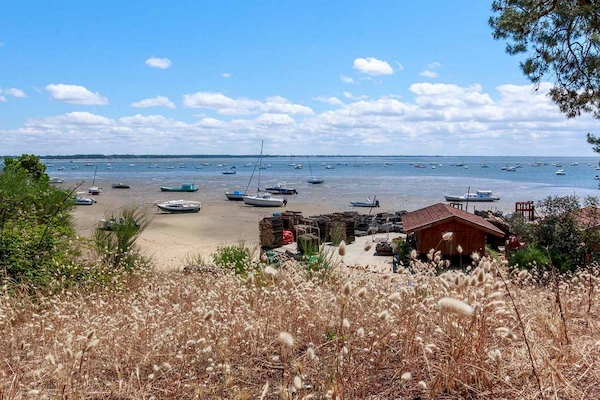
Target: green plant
x=237, y=258
x=114, y=238
x=529, y=256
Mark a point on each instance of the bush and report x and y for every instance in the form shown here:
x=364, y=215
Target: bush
x=114, y=238
x=530, y=256
x=237, y=258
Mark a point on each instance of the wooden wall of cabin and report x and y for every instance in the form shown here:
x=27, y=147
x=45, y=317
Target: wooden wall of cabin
x=468, y=237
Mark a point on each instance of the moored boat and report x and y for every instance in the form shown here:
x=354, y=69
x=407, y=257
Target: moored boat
x=79, y=200
x=235, y=196
x=120, y=185
x=186, y=187
x=280, y=188
x=264, y=200
x=179, y=206
x=369, y=203
x=55, y=180
x=478, y=196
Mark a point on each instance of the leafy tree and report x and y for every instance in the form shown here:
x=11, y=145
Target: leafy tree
x=562, y=42
x=566, y=233
x=28, y=163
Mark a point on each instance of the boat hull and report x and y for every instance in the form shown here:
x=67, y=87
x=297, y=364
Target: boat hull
x=364, y=204
x=168, y=189
x=179, y=207
x=121, y=186
x=315, y=181
x=262, y=201
x=472, y=200
x=281, y=191
x=235, y=196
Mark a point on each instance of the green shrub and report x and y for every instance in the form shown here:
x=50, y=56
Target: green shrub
x=114, y=238
x=530, y=256
x=237, y=258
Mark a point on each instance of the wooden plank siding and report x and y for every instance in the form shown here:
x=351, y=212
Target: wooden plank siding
x=468, y=237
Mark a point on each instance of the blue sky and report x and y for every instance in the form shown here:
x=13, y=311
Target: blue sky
x=312, y=77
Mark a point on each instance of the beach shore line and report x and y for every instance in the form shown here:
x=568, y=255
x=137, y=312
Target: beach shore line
x=173, y=239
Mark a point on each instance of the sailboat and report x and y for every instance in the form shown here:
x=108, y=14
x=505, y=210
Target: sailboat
x=94, y=190
x=264, y=199
x=313, y=179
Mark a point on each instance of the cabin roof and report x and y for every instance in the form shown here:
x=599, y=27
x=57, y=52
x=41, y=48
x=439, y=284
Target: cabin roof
x=433, y=215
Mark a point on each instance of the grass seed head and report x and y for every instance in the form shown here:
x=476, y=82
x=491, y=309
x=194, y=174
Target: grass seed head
x=286, y=339
x=342, y=249
x=447, y=236
x=455, y=306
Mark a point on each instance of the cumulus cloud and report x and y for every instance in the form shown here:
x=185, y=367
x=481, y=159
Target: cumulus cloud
x=372, y=66
x=435, y=118
x=2, y=98
x=155, y=62
x=158, y=101
x=226, y=75
x=329, y=100
x=75, y=94
x=349, y=95
x=346, y=79
x=242, y=106
x=14, y=92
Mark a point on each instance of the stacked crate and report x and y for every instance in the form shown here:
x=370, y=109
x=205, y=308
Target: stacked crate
x=271, y=232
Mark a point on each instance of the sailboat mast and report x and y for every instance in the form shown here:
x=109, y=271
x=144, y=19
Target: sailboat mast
x=259, y=164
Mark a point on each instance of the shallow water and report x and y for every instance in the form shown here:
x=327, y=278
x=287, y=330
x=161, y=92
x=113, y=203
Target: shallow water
x=395, y=181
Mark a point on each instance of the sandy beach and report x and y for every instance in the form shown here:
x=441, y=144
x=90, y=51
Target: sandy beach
x=171, y=239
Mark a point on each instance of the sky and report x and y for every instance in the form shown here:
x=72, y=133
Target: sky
x=307, y=77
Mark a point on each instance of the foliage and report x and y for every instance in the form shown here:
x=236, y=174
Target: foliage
x=237, y=258
x=561, y=232
x=114, y=239
x=35, y=226
x=521, y=227
x=562, y=39
x=530, y=256
x=28, y=163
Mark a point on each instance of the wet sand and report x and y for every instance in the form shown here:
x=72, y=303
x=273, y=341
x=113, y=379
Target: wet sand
x=173, y=239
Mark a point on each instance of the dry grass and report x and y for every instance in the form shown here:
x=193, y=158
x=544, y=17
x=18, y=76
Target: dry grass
x=212, y=336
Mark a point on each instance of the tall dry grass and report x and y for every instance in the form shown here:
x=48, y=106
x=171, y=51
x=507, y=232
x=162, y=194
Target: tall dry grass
x=359, y=336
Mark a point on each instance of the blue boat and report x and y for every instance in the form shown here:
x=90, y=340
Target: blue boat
x=186, y=187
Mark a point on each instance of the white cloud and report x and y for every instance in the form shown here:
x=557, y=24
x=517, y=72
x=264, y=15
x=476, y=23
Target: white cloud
x=155, y=62
x=435, y=118
x=242, y=106
x=372, y=66
x=158, y=101
x=430, y=72
x=329, y=100
x=349, y=95
x=14, y=92
x=226, y=75
x=346, y=79
x=275, y=119
x=75, y=94
x=400, y=66
x=2, y=98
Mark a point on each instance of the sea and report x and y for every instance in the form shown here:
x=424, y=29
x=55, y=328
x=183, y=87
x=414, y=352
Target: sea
x=398, y=182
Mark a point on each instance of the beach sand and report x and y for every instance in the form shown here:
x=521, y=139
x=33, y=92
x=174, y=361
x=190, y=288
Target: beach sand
x=173, y=239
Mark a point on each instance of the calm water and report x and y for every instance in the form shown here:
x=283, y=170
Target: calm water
x=396, y=181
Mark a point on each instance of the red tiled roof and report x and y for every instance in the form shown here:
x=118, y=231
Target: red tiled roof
x=437, y=213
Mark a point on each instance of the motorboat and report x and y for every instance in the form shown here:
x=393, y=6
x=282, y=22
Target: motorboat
x=229, y=172
x=121, y=185
x=264, y=200
x=179, y=206
x=561, y=172
x=95, y=190
x=369, y=203
x=235, y=196
x=298, y=166
x=55, y=180
x=280, y=188
x=186, y=187
x=79, y=200
x=478, y=196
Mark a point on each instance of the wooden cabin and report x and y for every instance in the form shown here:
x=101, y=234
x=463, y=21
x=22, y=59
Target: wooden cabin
x=430, y=223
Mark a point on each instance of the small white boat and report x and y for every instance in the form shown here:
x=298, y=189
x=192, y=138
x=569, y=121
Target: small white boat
x=369, y=203
x=56, y=180
x=264, y=200
x=280, y=188
x=95, y=190
x=478, y=196
x=298, y=166
x=235, y=196
x=561, y=172
x=179, y=206
x=79, y=200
